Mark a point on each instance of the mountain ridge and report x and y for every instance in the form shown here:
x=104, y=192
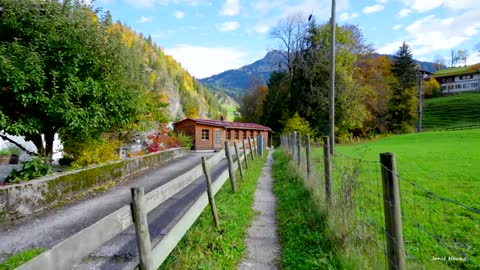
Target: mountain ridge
x=234, y=82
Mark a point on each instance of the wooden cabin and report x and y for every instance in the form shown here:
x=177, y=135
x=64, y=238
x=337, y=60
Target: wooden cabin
x=212, y=134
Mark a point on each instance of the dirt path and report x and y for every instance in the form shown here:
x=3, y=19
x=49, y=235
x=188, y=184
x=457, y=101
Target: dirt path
x=262, y=241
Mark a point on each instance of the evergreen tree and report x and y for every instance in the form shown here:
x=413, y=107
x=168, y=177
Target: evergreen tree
x=403, y=100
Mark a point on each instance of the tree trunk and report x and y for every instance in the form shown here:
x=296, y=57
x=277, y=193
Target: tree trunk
x=37, y=141
x=49, y=138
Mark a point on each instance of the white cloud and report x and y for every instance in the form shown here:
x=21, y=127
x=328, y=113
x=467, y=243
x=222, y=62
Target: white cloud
x=345, y=16
x=179, y=14
x=390, y=48
x=230, y=8
x=382, y=1
x=372, y=9
x=229, y=26
x=262, y=28
x=397, y=26
x=202, y=62
x=432, y=34
x=423, y=6
x=404, y=12
x=144, y=19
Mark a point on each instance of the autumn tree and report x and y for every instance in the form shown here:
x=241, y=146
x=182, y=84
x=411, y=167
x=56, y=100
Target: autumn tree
x=403, y=100
x=299, y=124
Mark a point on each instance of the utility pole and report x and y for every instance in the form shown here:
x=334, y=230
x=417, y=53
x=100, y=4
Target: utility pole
x=331, y=93
x=420, y=101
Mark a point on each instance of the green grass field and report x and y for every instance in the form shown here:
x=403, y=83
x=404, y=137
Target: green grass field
x=452, y=111
x=437, y=163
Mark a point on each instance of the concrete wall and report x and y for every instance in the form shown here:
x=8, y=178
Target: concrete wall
x=22, y=199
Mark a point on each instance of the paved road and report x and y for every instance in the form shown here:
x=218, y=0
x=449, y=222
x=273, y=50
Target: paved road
x=51, y=227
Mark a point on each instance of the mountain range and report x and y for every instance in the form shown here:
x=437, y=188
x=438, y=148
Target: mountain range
x=235, y=82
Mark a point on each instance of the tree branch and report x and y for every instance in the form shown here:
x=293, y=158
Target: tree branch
x=4, y=137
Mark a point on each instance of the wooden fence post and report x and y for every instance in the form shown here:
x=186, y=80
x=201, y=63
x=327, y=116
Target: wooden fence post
x=328, y=170
x=299, y=148
x=211, y=198
x=231, y=172
x=250, y=145
x=141, y=228
x=245, y=154
x=307, y=154
x=260, y=145
x=238, y=159
x=392, y=212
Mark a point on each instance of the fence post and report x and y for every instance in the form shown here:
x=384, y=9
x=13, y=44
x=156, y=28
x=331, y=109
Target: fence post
x=260, y=144
x=250, y=145
x=245, y=154
x=299, y=148
x=141, y=228
x=307, y=153
x=231, y=172
x=238, y=159
x=211, y=198
x=392, y=212
x=328, y=170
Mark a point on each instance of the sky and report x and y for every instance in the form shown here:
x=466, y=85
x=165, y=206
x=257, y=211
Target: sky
x=211, y=36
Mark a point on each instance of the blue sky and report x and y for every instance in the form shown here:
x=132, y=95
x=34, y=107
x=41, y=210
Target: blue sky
x=208, y=37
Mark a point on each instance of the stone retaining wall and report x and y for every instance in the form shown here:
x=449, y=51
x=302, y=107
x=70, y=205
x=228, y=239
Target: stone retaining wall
x=22, y=199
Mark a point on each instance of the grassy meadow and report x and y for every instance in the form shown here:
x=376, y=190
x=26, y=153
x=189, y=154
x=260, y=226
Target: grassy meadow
x=452, y=111
x=433, y=167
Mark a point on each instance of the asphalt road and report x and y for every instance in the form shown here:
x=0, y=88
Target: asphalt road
x=50, y=227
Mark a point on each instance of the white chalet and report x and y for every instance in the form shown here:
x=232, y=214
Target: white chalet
x=458, y=79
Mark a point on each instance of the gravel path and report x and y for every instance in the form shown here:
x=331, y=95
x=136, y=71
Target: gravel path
x=262, y=241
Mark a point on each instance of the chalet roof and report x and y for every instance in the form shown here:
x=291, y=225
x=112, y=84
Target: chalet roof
x=457, y=71
x=226, y=124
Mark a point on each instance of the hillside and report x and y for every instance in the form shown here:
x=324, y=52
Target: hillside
x=452, y=111
x=185, y=96
x=234, y=82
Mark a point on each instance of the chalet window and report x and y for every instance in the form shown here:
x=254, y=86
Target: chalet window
x=236, y=134
x=205, y=134
x=244, y=135
x=458, y=86
x=228, y=134
x=218, y=137
x=444, y=87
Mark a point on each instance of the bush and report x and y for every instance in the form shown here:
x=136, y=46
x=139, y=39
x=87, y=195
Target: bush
x=184, y=140
x=10, y=150
x=94, y=152
x=34, y=168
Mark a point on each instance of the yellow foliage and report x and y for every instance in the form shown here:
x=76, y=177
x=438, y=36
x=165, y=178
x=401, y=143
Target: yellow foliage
x=153, y=77
x=164, y=98
x=98, y=152
x=187, y=82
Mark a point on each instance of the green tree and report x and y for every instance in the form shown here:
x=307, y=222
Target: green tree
x=61, y=70
x=297, y=123
x=403, y=100
x=275, y=106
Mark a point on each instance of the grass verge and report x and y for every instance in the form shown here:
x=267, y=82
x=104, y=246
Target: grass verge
x=20, y=258
x=305, y=238
x=203, y=247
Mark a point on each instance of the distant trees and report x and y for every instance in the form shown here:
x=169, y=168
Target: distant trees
x=438, y=62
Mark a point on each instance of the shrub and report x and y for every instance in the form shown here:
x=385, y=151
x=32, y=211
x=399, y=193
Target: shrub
x=10, y=150
x=34, y=168
x=91, y=151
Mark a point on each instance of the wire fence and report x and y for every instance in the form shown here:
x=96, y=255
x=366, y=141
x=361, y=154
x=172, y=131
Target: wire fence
x=438, y=232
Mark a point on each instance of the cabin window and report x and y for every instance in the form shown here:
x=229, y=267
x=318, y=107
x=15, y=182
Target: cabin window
x=228, y=134
x=218, y=137
x=244, y=135
x=205, y=134
x=236, y=134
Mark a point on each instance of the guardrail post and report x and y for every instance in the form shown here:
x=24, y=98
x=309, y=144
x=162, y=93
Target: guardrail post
x=211, y=198
x=231, y=172
x=392, y=212
x=141, y=228
x=238, y=159
x=250, y=145
x=328, y=170
x=245, y=154
x=307, y=154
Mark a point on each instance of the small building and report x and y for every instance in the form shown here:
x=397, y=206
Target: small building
x=212, y=134
x=458, y=79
